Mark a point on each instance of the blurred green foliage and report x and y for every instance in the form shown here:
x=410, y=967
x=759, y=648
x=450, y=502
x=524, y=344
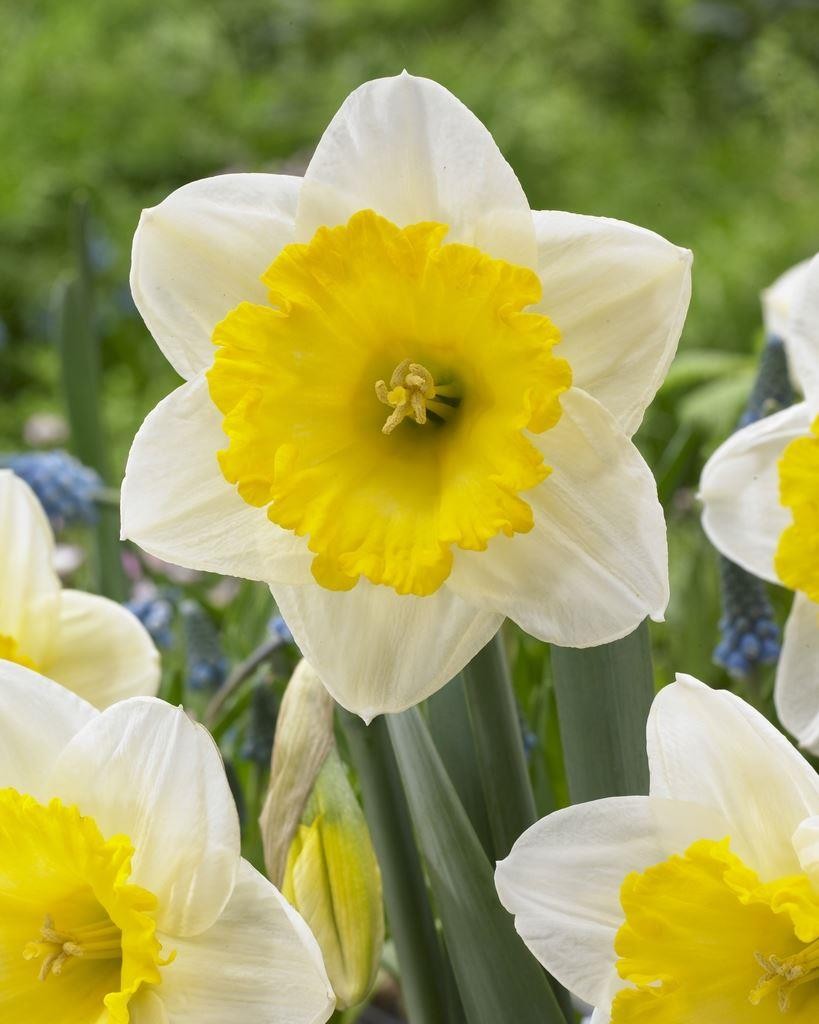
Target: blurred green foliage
x=693, y=118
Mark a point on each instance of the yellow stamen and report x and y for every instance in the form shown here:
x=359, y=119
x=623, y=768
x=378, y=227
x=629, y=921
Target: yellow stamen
x=784, y=974
x=412, y=392
x=100, y=941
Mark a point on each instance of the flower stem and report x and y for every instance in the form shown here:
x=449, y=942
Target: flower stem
x=423, y=968
x=603, y=698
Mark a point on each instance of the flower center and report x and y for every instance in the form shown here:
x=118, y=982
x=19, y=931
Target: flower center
x=308, y=441
x=101, y=940
x=68, y=912
x=782, y=976
x=413, y=392
x=10, y=651
x=697, y=929
x=797, y=555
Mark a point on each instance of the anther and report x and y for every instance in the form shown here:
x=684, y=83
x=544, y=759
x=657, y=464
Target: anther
x=413, y=392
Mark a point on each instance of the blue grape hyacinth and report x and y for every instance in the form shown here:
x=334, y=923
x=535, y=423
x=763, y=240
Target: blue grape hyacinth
x=66, y=489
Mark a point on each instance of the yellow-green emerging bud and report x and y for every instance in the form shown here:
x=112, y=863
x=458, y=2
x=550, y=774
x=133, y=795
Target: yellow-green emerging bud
x=329, y=871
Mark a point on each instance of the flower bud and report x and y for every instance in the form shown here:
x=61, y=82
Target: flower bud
x=317, y=845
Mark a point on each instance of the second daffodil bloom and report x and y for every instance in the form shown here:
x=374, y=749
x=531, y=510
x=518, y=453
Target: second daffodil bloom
x=698, y=904
x=92, y=645
x=760, y=494
x=408, y=399
x=124, y=897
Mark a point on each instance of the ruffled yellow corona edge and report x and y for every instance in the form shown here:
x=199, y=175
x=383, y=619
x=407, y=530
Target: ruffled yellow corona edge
x=302, y=386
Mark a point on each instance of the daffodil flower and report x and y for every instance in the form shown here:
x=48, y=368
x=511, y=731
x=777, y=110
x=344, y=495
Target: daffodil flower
x=92, y=645
x=697, y=904
x=123, y=894
x=375, y=418
x=760, y=494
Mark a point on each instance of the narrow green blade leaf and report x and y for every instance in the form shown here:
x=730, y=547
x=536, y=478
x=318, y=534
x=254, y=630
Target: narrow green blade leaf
x=497, y=977
x=499, y=742
x=451, y=730
x=603, y=698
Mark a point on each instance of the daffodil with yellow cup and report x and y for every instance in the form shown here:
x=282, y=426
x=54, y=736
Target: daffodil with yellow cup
x=123, y=894
x=408, y=398
x=697, y=904
x=89, y=644
x=760, y=495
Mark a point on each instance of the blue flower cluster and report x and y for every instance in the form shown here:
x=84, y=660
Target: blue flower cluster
x=772, y=390
x=207, y=664
x=66, y=488
x=156, y=615
x=750, y=635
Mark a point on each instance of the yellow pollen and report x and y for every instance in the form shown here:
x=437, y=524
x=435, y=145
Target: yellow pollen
x=783, y=975
x=100, y=941
x=413, y=392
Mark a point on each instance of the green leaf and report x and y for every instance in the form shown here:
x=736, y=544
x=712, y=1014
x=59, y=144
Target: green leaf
x=603, y=698
x=447, y=716
x=497, y=977
x=424, y=973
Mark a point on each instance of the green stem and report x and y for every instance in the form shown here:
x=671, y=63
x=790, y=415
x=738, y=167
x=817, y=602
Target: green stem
x=603, y=698
x=493, y=713
x=421, y=960
x=78, y=346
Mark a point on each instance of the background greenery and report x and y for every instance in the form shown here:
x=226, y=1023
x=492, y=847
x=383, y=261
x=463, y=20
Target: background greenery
x=695, y=119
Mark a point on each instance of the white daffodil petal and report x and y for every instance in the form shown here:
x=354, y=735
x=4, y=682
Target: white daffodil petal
x=38, y=718
x=201, y=252
x=803, y=334
x=710, y=747
x=102, y=651
x=619, y=295
x=177, y=505
x=562, y=879
x=258, y=964
x=796, y=693
x=595, y=564
x=778, y=299
x=739, y=489
x=377, y=651
x=408, y=149
x=144, y=769
x=29, y=587
x=806, y=844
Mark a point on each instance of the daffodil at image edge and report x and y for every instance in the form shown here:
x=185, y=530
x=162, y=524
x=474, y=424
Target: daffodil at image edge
x=89, y=644
x=408, y=398
x=697, y=904
x=123, y=893
x=760, y=496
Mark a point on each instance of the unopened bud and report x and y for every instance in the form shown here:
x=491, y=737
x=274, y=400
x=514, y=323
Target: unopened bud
x=318, y=848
